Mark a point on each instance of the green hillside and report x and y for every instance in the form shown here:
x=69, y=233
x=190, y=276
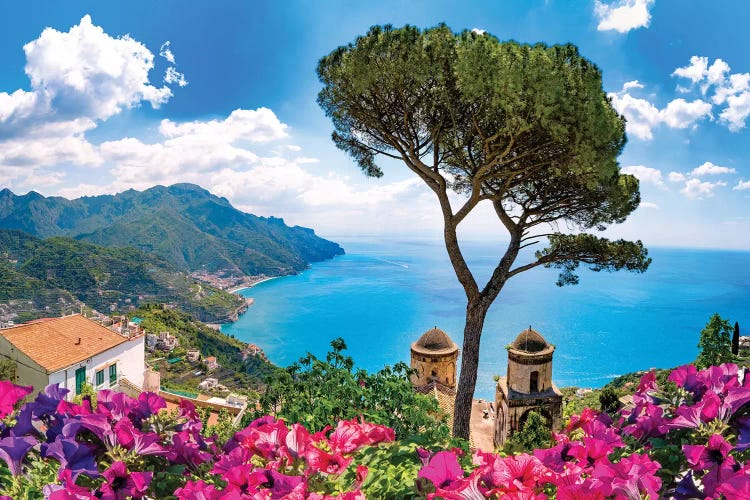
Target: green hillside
x=184, y=224
x=43, y=271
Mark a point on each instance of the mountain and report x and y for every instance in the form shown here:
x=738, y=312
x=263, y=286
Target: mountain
x=54, y=274
x=183, y=223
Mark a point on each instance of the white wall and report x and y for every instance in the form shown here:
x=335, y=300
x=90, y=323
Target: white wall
x=129, y=357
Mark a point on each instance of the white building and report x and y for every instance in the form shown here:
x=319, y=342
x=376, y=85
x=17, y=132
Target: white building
x=70, y=351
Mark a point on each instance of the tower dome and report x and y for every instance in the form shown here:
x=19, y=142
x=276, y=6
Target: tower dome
x=530, y=341
x=434, y=341
x=434, y=356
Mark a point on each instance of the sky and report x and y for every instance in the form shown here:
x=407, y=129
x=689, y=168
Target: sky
x=99, y=97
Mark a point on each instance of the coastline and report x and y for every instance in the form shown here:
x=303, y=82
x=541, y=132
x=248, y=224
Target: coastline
x=250, y=285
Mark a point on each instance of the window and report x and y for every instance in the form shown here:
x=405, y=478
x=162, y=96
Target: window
x=99, y=377
x=80, y=379
x=534, y=382
x=112, y=374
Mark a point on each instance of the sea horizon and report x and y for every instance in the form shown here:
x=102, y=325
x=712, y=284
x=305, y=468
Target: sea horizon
x=382, y=295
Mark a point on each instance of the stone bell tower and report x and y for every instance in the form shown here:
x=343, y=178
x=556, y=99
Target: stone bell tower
x=528, y=386
x=434, y=357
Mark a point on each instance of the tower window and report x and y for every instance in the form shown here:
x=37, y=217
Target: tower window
x=534, y=382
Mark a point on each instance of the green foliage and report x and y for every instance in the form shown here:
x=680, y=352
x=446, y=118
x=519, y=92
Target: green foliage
x=317, y=393
x=609, y=401
x=87, y=392
x=183, y=224
x=534, y=434
x=7, y=369
x=715, y=343
x=393, y=468
x=567, y=251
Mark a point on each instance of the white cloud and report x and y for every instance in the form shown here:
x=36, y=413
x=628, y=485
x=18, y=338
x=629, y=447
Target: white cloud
x=737, y=111
x=171, y=75
x=623, y=15
x=729, y=89
x=709, y=168
x=680, y=113
x=86, y=72
x=742, y=185
x=634, y=84
x=478, y=31
x=677, y=177
x=648, y=204
x=695, y=71
x=645, y=174
x=642, y=116
x=77, y=79
x=696, y=189
x=166, y=52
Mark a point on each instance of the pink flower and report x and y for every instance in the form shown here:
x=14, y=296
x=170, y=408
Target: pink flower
x=10, y=394
x=629, y=478
x=442, y=470
x=199, y=490
x=714, y=457
x=348, y=436
x=518, y=473
x=327, y=463
x=737, y=485
x=121, y=484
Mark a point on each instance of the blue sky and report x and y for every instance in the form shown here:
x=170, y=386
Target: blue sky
x=99, y=97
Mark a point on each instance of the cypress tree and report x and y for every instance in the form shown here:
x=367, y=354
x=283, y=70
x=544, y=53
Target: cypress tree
x=736, y=339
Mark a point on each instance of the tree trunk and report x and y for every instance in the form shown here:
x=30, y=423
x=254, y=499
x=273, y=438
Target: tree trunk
x=467, y=381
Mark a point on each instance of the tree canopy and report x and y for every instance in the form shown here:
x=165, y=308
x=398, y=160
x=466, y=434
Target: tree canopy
x=526, y=128
x=715, y=343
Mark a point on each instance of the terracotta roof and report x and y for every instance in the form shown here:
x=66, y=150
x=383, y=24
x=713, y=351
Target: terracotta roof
x=530, y=341
x=446, y=398
x=434, y=341
x=56, y=343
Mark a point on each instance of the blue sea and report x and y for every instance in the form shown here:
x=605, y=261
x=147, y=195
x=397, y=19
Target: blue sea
x=383, y=294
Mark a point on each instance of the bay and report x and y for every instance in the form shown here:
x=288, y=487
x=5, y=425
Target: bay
x=383, y=294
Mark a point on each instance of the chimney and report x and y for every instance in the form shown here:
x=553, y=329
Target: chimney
x=78, y=342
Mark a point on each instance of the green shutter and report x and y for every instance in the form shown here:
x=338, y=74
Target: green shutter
x=112, y=374
x=99, y=378
x=80, y=379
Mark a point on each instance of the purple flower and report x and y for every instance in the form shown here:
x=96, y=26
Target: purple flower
x=73, y=456
x=24, y=424
x=737, y=485
x=117, y=404
x=278, y=485
x=714, y=457
x=687, y=378
x=186, y=451
x=743, y=433
x=101, y=427
x=143, y=443
x=121, y=484
x=10, y=394
x=148, y=404
x=199, y=491
x=14, y=449
x=46, y=402
x=692, y=417
x=442, y=470
x=686, y=489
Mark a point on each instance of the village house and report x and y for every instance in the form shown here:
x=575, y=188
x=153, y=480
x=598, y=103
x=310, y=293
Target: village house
x=193, y=355
x=208, y=384
x=167, y=342
x=71, y=351
x=210, y=362
x=151, y=341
